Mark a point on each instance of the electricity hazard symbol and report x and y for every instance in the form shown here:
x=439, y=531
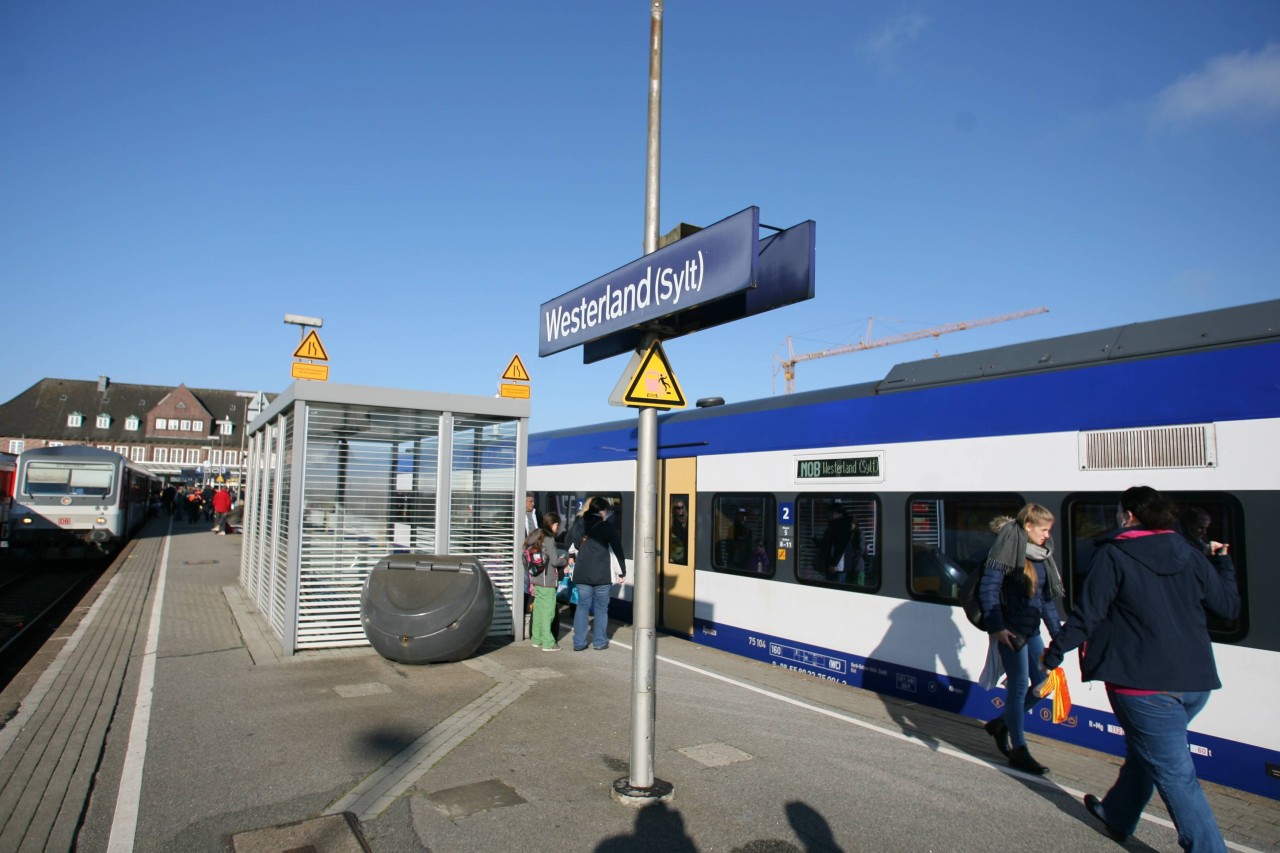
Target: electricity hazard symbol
x=311, y=348
x=654, y=385
x=515, y=371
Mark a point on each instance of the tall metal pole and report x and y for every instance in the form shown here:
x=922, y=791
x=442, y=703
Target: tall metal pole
x=642, y=786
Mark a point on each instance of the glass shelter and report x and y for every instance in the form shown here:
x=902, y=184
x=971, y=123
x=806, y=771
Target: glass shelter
x=340, y=476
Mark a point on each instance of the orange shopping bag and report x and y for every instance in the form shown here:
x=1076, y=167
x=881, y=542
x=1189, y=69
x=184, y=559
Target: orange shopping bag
x=1056, y=684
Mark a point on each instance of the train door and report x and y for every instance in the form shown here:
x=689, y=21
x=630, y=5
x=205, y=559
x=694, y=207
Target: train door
x=677, y=535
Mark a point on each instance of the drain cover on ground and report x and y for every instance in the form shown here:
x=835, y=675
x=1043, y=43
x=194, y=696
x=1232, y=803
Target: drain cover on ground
x=199, y=562
x=715, y=754
x=475, y=798
x=337, y=833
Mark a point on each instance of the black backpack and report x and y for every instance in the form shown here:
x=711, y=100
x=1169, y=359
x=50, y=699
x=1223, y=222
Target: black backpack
x=968, y=596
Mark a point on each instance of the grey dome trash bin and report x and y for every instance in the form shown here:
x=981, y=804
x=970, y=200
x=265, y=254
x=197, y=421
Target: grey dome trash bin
x=426, y=608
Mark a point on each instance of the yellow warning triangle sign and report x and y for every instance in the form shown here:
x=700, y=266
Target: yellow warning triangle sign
x=311, y=348
x=515, y=371
x=654, y=385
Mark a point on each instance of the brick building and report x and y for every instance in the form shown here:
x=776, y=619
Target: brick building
x=182, y=434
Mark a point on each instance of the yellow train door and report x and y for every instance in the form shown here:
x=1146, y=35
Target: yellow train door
x=677, y=534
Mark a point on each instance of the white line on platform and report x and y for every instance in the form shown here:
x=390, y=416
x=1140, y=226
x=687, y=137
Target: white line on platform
x=954, y=753
x=124, y=825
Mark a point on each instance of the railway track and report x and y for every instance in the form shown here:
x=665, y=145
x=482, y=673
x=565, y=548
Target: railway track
x=35, y=596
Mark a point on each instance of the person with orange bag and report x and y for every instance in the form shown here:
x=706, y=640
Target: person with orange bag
x=1141, y=611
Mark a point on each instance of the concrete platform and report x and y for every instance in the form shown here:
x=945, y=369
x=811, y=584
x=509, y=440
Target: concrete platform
x=230, y=746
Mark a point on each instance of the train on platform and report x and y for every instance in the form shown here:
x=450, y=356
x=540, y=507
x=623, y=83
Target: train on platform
x=922, y=460
x=78, y=500
x=8, y=469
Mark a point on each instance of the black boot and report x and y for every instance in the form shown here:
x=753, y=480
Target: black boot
x=998, y=730
x=1021, y=759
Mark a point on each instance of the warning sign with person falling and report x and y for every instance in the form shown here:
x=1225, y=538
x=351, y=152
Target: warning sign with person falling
x=654, y=385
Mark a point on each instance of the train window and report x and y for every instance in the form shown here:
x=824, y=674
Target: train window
x=742, y=533
x=678, y=530
x=570, y=504
x=837, y=540
x=53, y=478
x=950, y=537
x=1204, y=517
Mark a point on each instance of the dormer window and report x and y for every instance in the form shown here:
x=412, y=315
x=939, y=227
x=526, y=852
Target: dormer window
x=131, y=422
x=75, y=419
x=104, y=421
x=224, y=427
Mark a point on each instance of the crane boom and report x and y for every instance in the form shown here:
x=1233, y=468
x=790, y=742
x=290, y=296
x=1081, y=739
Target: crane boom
x=789, y=365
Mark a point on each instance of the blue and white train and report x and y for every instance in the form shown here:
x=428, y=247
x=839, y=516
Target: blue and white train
x=922, y=460
x=78, y=499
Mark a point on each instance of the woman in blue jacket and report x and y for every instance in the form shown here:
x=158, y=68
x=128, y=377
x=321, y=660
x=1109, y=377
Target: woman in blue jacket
x=1141, y=611
x=1020, y=581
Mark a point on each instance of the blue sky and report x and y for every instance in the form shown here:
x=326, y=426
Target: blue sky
x=175, y=177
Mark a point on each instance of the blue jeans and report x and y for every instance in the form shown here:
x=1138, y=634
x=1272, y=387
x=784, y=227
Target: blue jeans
x=1019, y=696
x=1157, y=758
x=592, y=597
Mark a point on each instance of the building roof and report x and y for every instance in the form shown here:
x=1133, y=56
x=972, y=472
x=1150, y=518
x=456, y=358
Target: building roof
x=42, y=411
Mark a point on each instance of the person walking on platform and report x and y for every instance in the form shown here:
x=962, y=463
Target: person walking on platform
x=221, y=508
x=544, y=584
x=1020, y=581
x=194, y=503
x=1141, y=618
x=594, y=537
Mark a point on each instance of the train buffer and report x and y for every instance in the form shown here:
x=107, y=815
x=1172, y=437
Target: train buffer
x=240, y=748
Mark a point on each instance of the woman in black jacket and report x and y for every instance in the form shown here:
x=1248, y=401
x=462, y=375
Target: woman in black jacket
x=1141, y=611
x=594, y=538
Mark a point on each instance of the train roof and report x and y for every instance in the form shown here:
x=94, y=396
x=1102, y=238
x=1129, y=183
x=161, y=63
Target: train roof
x=72, y=451
x=959, y=398
x=1224, y=327
x=1219, y=329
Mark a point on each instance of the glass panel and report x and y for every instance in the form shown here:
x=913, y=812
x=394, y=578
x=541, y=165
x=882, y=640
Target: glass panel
x=837, y=540
x=53, y=478
x=1204, y=517
x=678, y=530
x=742, y=533
x=950, y=537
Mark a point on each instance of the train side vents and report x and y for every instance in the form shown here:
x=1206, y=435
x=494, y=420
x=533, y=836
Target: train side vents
x=1191, y=446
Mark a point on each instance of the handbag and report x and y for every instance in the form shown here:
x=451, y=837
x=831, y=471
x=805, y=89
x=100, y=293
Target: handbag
x=567, y=591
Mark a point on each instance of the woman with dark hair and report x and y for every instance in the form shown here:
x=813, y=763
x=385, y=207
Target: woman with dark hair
x=594, y=537
x=1020, y=581
x=1141, y=611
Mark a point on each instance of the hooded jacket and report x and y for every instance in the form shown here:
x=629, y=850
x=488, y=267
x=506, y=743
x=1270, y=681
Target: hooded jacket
x=1141, y=613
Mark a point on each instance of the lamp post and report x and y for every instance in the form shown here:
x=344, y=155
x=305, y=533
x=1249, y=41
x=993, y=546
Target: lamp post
x=305, y=322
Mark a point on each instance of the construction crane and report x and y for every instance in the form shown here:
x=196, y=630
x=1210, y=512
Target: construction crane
x=789, y=365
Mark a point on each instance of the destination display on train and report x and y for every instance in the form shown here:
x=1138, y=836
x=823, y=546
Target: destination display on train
x=839, y=468
x=713, y=263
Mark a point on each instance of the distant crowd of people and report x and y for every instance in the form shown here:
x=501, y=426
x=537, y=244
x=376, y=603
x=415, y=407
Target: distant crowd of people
x=208, y=503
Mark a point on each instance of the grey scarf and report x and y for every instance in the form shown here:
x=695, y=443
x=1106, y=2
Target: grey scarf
x=1012, y=549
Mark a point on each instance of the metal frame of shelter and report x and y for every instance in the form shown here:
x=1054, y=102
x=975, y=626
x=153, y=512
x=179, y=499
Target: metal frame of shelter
x=340, y=476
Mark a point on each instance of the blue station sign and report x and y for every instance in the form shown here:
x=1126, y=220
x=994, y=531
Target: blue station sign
x=714, y=263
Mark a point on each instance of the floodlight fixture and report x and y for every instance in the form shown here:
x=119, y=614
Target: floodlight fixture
x=300, y=320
